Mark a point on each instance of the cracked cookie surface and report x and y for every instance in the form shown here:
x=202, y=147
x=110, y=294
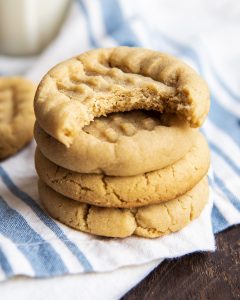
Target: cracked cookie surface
x=16, y=114
x=122, y=144
x=104, y=81
x=150, y=221
x=133, y=191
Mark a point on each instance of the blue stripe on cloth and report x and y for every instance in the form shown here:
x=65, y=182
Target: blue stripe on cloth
x=5, y=265
x=92, y=40
x=211, y=179
x=233, y=199
x=223, y=155
x=224, y=85
x=224, y=119
x=117, y=25
x=41, y=255
x=46, y=220
x=226, y=158
x=112, y=14
x=219, y=223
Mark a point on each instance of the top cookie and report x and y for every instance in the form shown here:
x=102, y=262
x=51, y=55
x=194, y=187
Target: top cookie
x=16, y=114
x=104, y=81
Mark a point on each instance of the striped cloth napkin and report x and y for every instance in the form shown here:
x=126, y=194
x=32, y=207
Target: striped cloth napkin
x=33, y=244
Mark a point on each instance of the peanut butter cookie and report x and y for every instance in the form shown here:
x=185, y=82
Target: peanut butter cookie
x=133, y=191
x=16, y=114
x=149, y=221
x=104, y=81
x=122, y=144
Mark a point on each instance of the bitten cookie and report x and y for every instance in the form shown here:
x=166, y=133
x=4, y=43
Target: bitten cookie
x=134, y=191
x=104, y=81
x=122, y=144
x=16, y=114
x=149, y=221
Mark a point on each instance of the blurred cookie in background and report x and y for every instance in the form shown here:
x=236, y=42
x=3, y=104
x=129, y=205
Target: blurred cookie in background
x=16, y=114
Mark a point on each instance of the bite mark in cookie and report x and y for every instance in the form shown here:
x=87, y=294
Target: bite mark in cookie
x=104, y=81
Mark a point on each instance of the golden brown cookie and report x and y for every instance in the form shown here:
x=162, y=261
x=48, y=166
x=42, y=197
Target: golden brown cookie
x=148, y=221
x=133, y=191
x=16, y=114
x=104, y=81
x=122, y=144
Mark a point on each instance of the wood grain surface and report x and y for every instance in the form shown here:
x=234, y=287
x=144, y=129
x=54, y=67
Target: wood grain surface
x=196, y=276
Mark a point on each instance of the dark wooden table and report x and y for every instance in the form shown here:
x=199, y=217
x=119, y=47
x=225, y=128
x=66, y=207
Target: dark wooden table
x=196, y=276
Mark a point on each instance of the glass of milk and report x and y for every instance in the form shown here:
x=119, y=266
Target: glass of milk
x=27, y=26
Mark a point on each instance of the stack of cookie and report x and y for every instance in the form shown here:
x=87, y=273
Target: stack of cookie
x=119, y=152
